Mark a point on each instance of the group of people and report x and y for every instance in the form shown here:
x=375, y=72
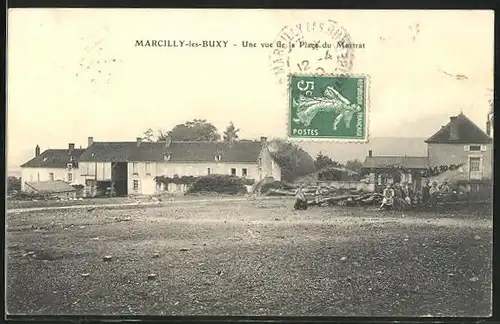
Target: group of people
x=403, y=196
x=399, y=195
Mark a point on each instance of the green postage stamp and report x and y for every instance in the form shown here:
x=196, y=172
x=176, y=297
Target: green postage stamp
x=328, y=107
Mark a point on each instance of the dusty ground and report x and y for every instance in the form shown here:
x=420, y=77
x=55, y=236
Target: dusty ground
x=248, y=258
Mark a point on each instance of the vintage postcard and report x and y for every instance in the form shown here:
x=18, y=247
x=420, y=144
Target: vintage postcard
x=249, y=162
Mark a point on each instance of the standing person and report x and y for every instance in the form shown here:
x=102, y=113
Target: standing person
x=318, y=194
x=418, y=200
x=300, y=199
x=388, y=198
x=399, y=201
x=433, y=194
x=406, y=193
x=425, y=192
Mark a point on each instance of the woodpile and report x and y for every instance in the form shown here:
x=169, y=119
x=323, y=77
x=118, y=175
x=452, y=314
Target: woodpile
x=331, y=196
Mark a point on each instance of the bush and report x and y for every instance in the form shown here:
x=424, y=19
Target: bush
x=30, y=196
x=249, y=182
x=13, y=184
x=187, y=180
x=222, y=184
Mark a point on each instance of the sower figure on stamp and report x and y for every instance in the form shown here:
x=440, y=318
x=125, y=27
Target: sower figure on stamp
x=388, y=199
x=300, y=199
x=331, y=101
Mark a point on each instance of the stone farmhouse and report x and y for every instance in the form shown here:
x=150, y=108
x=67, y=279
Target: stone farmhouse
x=51, y=165
x=131, y=167
x=459, y=142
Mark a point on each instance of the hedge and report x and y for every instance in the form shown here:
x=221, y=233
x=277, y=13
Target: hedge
x=222, y=184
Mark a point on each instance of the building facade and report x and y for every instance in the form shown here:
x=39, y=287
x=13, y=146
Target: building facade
x=131, y=167
x=383, y=170
x=461, y=142
x=52, y=165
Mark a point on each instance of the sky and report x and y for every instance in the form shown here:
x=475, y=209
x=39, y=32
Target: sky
x=75, y=73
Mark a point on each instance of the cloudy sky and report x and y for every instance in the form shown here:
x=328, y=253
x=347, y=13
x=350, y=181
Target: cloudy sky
x=76, y=73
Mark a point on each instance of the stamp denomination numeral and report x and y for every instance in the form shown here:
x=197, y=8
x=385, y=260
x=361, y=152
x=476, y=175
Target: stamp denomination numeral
x=308, y=86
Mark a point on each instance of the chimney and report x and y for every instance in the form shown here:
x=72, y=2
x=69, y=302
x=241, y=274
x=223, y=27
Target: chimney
x=139, y=140
x=453, y=128
x=37, y=150
x=91, y=141
x=488, y=128
x=263, y=140
x=370, y=153
x=71, y=146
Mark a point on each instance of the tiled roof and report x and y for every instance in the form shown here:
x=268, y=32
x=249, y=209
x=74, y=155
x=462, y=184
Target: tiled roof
x=123, y=152
x=240, y=152
x=460, y=130
x=409, y=162
x=50, y=186
x=54, y=158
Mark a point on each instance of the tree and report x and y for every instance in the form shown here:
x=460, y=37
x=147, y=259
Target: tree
x=294, y=161
x=324, y=161
x=231, y=133
x=13, y=184
x=150, y=136
x=354, y=165
x=196, y=130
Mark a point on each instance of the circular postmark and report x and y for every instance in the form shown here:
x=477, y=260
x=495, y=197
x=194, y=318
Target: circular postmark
x=313, y=48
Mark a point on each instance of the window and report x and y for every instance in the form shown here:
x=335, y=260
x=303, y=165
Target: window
x=70, y=177
x=260, y=161
x=244, y=172
x=218, y=157
x=474, y=164
x=134, y=168
x=51, y=176
x=475, y=148
x=70, y=166
x=233, y=171
x=148, y=168
x=136, y=184
x=208, y=171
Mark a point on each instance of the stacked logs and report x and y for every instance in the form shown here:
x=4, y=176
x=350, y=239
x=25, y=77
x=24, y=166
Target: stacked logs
x=329, y=196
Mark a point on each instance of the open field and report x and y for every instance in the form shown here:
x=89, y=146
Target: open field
x=245, y=257
x=17, y=204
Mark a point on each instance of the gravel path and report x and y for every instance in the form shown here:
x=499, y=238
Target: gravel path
x=248, y=258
